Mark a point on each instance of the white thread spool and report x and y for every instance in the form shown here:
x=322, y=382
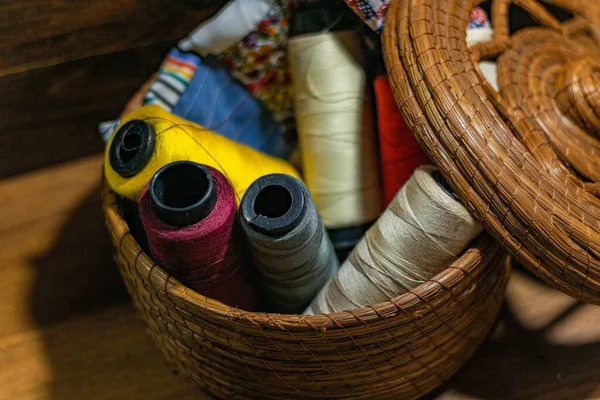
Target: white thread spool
x=421, y=232
x=335, y=127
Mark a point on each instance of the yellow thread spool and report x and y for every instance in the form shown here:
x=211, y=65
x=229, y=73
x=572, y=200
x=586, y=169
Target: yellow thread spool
x=177, y=139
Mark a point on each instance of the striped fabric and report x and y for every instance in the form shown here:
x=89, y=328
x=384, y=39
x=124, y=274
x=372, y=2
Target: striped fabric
x=172, y=80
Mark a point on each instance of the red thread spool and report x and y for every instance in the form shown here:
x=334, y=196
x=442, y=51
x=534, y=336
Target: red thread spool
x=399, y=151
x=189, y=213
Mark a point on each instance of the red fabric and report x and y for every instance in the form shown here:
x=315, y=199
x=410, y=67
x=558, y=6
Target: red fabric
x=208, y=256
x=399, y=151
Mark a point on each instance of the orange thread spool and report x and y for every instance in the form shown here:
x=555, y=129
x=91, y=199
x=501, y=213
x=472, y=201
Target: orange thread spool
x=400, y=154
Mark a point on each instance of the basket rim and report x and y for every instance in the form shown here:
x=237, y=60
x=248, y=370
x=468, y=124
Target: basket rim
x=480, y=254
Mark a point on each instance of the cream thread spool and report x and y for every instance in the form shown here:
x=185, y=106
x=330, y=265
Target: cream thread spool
x=422, y=231
x=336, y=128
x=288, y=240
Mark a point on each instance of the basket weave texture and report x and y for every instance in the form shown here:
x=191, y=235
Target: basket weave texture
x=525, y=160
x=399, y=349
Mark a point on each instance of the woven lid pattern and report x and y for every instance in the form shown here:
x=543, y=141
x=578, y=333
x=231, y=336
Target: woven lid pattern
x=525, y=159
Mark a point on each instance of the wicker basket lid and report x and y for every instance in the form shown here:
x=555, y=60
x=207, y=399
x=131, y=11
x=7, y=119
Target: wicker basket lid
x=525, y=159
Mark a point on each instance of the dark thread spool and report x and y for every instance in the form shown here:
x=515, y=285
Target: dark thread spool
x=190, y=217
x=288, y=240
x=319, y=16
x=131, y=214
x=274, y=205
x=344, y=239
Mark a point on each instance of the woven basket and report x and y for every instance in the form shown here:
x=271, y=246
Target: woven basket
x=526, y=159
x=402, y=348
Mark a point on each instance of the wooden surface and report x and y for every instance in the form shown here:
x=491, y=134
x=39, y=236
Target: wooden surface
x=66, y=65
x=68, y=330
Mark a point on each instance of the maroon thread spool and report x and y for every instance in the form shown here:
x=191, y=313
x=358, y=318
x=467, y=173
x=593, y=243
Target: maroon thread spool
x=189, y=214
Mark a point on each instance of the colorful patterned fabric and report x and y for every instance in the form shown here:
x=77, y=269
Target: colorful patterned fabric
x=372, y=12
x=172, y=80
x=479, y=19
x=260, y=63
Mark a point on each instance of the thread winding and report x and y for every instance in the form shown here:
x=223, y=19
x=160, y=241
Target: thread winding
x=288, y=241
x=176, y=139
x=421, y=232
x=207, y=255
x=335, y=127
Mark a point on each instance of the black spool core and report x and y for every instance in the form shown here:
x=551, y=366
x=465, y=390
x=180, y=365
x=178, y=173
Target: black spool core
x=443, y=183
x=182, y=193
x=131, y=148
x=273, y=201
x=274, y=204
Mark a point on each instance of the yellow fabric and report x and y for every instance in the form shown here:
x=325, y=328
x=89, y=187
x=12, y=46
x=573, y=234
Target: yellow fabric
x=178, y=139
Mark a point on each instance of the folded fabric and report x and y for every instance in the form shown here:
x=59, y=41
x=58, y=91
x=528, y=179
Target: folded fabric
x=172, y=79
x=107, y=128
x=233, y=22
x=259, y=61
x=214, y=100
x=211, y=97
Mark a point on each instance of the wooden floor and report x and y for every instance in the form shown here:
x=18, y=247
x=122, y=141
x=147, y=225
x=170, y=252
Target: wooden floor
x=68, y=330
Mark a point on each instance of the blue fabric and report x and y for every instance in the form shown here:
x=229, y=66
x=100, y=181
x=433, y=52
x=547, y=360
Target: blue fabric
x=217, y=102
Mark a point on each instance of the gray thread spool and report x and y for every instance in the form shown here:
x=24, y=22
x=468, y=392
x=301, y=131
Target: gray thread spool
x=421, y=232
x=288, y=240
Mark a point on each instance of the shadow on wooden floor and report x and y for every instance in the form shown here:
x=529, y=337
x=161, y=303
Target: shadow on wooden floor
x=78, y=275
x=95, y=343
x=521, y=363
